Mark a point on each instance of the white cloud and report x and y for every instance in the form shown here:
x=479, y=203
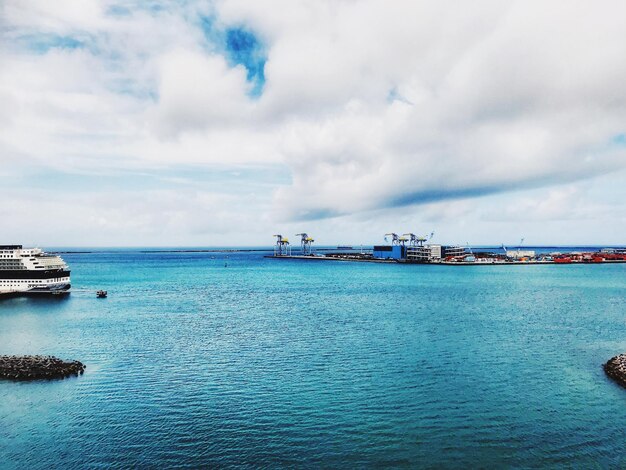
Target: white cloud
x=59, y=16
x=197, y=91
x=370, y=105
x=127, y=217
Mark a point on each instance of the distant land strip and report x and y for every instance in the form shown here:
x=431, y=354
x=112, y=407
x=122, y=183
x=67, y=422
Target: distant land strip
x=225, y=250
x=173, y=250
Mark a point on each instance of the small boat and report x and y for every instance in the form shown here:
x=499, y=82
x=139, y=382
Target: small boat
x=101, y=294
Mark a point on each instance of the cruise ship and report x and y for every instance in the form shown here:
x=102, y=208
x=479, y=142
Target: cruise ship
x=31, y=271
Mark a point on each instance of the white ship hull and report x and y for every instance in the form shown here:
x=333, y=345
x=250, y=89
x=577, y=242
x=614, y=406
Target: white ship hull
x=31, y=271
x=28, y=287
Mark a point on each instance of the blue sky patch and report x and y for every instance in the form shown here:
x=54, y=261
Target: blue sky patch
x=118, y=10
x=210, y=30
x=42, y=43
x=126, y=8
x=394, y=95
x=138, y=89
x=620, y=139
x=224, y=180
x=240, y=46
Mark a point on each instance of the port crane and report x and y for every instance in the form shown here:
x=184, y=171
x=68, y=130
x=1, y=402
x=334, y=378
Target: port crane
x=414, y=240
x=395, y=240
x=306, y=243
x=282, y=247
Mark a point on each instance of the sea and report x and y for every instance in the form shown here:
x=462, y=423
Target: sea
x=229, y=359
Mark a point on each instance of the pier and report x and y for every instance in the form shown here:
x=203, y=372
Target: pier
x=22, y=368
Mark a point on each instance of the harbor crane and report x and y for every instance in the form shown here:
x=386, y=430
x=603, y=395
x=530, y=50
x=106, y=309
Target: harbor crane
x=414, y=240
x=282, y=247
x=395, y=240
x=306, y=243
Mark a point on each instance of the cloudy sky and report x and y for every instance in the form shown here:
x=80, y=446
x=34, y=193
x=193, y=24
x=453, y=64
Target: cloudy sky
x=218, y=123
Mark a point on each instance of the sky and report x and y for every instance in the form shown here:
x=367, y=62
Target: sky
x=221, y=123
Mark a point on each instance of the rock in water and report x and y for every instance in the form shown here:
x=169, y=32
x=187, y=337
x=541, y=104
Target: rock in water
x=38, y=367
x=616, y=369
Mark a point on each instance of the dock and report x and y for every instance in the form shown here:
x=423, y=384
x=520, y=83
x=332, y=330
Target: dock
x=357, y=259
x=332, y=258
x=413, y=249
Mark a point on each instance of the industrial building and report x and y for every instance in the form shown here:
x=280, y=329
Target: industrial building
x=424, y=253
x=413, y=249
x=433, y=253
x=389, y=251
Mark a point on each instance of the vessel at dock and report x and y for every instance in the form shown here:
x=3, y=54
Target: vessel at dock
x=32, y=271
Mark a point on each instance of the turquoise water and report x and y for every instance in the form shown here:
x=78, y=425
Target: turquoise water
x=295, y=363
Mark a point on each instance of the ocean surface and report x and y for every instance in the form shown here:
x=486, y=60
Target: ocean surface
x=231, y=359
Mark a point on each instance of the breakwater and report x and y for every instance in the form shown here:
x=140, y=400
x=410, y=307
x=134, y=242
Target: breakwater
x=38, y=367
x=616, y=369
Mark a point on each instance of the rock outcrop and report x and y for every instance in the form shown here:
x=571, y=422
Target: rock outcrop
x=616, y=369
x=38, y=367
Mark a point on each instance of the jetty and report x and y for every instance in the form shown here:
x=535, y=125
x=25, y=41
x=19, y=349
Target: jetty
x=616, y=369
x=21, y=368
